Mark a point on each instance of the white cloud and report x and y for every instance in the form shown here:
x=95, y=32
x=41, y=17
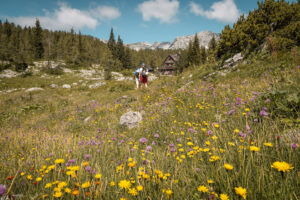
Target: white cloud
x=225, y=11
x=163, y=10
x=66, y=17
x=106, y=12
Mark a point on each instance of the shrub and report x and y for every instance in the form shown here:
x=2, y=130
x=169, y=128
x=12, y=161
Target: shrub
x=20, y=67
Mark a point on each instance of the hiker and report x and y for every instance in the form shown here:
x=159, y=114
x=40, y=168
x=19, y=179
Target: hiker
x=137, y=78
x=143, y=75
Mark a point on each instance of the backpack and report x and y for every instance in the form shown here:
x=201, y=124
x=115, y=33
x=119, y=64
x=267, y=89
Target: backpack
x=143, y=73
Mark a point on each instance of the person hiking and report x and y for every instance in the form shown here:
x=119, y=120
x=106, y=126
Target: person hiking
x=137, y=78
x=143, y=75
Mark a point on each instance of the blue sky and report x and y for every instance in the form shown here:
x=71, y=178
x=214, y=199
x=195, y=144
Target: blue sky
x=133, y=20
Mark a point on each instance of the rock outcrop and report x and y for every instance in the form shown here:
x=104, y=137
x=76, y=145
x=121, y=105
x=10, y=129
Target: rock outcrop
x=131, y=119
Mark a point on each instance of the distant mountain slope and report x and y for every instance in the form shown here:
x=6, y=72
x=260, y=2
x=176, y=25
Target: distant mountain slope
x=180, y=42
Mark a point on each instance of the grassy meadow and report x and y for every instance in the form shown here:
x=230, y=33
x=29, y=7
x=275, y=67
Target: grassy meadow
x=222, y=138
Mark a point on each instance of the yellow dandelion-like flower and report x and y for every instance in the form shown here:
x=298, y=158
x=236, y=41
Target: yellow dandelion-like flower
x=68, y=190
x=202, y=188
x=224, y=197
x=267, y=144
x=98, y=176
x=214, y=158
x=133, y=191
x=228, y=166
x=190, y=144
x=29, y=177
x=22, y=173
x=254, y=148
x=112, y=183
x=48, y=185
x=124, y=184
x=210, y=181
x=38, y=179
x=139, y=188
x=62, y=184
x=241, y=191
x=59, y=161
x=85, y=163
x=57, y=194
x=236, y=130
x=86, y=185
x=169, y=192
x=282, y=166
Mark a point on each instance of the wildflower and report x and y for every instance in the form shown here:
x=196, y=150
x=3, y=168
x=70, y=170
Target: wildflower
x=87, y=156
x=67, y=190
x=22, y=173
x=62, y=184
x=202, y=188
x=59, y=161
x=143, y=140
x=124, y=184
x=85, y=163
x=190, y=144
x=48, y=185
x=156, y=135
x=38, y=179
x=29, y=177
x=86, y=185
x=236, y=130
x=57, y=194
x=2, y=190
x=228, y=166
x=98, y=176
x=282, y=166
x=169, y=192
x=254, y=148
x=268, y=144
x=133, y=192
x=294, y=145
x=139, y=187
x=241, y=191
x=9, y=178
x=112, y=183
x=214, y=158
x=75, y=192
x=210, y=181
x=224, y=197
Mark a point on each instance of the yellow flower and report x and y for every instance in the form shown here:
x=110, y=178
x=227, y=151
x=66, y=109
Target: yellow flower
x=210, y=181
x=214, y=158
x=282, y=166
x=85, y=163
x=29, y=177
x=38, y=179
x=190, y=144
x=75, y=192
x=59, y=161
x=268, y=144
x=86, y=184
x=247, y=109
x=131, y=164
x=62, y=184
x=228, y=166
x=169, y=192
x=139, y=187
x=67, y=190
x=202, y=188
x=224, y=197
x=254, y=148
x=48, y=185
x=98, y=175
x=241, y=191
x=22, y=173
x=112, y=183
x=57, y=194
x=124, y=184
x=236, y=130
x=123, y=198
x=133, y=192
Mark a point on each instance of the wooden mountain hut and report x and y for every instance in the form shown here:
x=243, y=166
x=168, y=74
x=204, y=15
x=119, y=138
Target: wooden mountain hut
x=168, y=67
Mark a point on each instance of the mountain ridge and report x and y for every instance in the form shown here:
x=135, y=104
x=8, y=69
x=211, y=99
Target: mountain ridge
x=180, y=42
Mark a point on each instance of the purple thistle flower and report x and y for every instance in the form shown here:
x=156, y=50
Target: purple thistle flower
x=171, y=145
x=153, y=143
x=231, y=111
x=148, y=148
x=294, y=145
x=72, y=161
x=172, y=149
x=255, y=120
x=2, y=190
x=88, y=168
x=242, y=134
x=156, y=135
x=263, y=113
x=87, y=156
x=143, y=140
x=268, y=101
x=210, y=132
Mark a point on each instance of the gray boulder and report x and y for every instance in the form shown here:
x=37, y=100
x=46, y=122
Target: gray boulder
x=131, y=119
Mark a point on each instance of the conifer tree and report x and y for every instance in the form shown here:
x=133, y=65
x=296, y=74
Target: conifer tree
x=112, y=42
x=38, y=40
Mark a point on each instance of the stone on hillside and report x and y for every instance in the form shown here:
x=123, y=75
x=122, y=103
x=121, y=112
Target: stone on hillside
x=152, y=77
x=74, y=84
x=230, y=62
x=8, y=74
x=131, y=119
x=97, y=85
x=124, y=100
x=66, y=86
x=34, y=89
x=53, y=85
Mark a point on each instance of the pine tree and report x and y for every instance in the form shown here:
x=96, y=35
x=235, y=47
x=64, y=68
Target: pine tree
x=38, y=40
x=212, y=43
x=112, y=43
